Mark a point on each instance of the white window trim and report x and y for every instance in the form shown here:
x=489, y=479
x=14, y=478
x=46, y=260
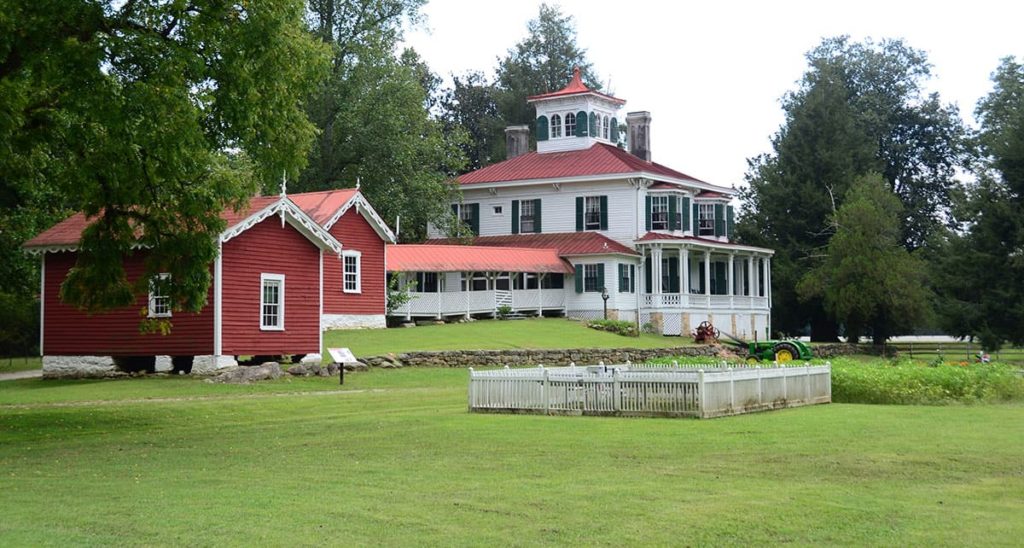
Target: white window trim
x=264, y=278
x=359, y=271
x=596, y=267
x=152, y=297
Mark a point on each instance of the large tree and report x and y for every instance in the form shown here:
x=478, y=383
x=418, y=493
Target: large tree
x=868, y=280
x=860, y=108
x=981, y=272
x=542, y=62
x=374, y=114
x=151, y=117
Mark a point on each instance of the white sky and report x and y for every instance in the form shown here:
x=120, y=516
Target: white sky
x=711, y=74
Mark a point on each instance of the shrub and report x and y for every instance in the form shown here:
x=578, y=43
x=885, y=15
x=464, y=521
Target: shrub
x=503, y=311
x=905, y=382
x=621, y=327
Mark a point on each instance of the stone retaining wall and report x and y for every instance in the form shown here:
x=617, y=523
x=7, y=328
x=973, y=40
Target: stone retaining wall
x=579, y=356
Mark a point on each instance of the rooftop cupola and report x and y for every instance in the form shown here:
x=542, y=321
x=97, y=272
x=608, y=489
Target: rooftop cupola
x=575, y=117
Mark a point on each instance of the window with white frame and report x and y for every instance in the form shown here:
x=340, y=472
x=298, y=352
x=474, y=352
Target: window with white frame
x=706, y=217
x=679, y=212
x=592, y=213
x=570, y=125
x=272, y=302
x=497, y=210
x=591, y=278
x=604, y=128
x=527, y=215
x=159, y=301
x=659, y=212
x=351, y=271
x=556, y=126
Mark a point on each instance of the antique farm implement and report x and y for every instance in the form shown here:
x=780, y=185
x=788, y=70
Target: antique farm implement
x=778, y=351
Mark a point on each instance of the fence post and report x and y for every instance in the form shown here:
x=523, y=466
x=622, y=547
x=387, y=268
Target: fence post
x=732, y=390
x=471, y=391
x=701, y=392
x=807, y=384
x=785, y=383
x=760, y=392
x=829, y=365
x=616, y=391
x=546, y=392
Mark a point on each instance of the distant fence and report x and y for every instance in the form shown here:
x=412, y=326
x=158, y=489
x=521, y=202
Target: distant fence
x=951, y=351
x=703, y=391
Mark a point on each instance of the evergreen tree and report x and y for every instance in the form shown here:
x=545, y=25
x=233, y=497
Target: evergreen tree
x=375, y=120
x=868, y=280
x=981, y=272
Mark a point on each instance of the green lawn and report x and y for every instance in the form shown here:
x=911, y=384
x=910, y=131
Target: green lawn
x=490, y=335
x=11, y=365
x=394, y=458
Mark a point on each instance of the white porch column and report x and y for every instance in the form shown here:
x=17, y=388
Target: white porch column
x=656, y=275
x=707, y=272
x=768, y=280
x=750, y=276
x=764, y=271
x=730, y=274
x=540, y=292
x=684, y=274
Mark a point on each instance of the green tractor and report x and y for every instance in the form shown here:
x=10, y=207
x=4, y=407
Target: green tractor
x=757, y=351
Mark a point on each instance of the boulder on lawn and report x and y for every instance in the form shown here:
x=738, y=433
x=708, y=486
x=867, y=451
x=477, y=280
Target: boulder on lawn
x=299, y=370
x=356, y=366
x=333, y=368
x=244, y=374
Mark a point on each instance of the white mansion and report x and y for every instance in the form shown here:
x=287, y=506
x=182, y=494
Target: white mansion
x=579, y=217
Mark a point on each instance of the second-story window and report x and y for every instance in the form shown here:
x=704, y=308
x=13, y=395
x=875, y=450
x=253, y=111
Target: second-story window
x=592, y=213
x=604, y=127
x=527, y=216
x=556, y=126
x=659, y=212
x=706, y=219
x=680, y=205
x=570, y=124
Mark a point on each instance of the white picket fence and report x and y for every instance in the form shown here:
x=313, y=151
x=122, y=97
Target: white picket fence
x=709, y=390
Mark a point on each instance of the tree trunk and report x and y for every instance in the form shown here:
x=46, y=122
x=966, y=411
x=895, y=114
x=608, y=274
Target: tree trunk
x=823, y=328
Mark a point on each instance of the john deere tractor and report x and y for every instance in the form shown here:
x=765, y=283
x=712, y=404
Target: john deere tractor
x=769, y=351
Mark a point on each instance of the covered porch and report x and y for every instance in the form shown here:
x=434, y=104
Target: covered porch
x=447, y=281
x=689, y=273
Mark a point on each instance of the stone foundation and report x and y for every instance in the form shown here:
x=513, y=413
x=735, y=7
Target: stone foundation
x=203, y=365
x=354, y=321
x=77, y=366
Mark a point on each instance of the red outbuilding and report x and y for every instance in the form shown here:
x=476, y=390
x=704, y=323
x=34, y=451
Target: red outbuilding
x=282, y=270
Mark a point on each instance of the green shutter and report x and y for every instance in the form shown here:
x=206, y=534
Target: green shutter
x=647, y=275
x=615, y=131
x=673, y=275
x=719, y=220
x=604, y=213
x=594, y=131
x=579, y=214
x=542, y=128
x=600, y=277
x=700, y=278
x=579, y=278
x=474, y=222
x=647, y=207
x=721, y=288
x=730, y=222
x=686, y=213
x=672, y=210
x=536, y=215
x=581, y=124
x=515, y=216
x=696, y=219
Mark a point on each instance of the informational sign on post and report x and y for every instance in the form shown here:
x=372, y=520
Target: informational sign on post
x=341, y=355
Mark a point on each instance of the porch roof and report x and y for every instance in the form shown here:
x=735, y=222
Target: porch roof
x=662, y=237
x=567, y=244
x=471, y=258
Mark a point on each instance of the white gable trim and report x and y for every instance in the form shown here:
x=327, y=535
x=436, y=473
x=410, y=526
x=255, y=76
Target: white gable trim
x=689, y=184
x=294, y=216
x=368, y=213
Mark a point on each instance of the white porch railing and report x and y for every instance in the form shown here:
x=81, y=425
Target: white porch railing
x=451, y=303
x=696, y=300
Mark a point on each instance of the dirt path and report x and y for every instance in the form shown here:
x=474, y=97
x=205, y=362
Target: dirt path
x=32, y=374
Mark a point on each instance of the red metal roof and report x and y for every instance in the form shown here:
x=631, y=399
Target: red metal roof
x=467, y=258
x=598, y=159
x=321, y=206
x=318, y=205
x=575, y=87
x=711, y=194
x=566, y=243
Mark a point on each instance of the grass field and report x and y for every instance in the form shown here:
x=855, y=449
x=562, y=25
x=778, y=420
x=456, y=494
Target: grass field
x=491, y=335
x=11, y=365
x=395, y=459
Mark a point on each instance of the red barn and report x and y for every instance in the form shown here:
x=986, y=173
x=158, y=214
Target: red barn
x=279, y=273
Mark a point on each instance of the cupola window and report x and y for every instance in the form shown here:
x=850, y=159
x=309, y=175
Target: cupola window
x=570, y=125
x=604, y=127
x=556, y=126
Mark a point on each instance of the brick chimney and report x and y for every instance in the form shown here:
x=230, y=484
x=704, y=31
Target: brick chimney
x=517, y=141
x=638, y=124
